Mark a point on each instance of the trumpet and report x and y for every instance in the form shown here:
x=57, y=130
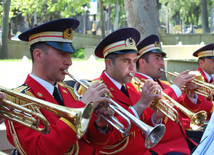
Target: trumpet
x=197, y=120
x=23, y=115
x=153, y=134
x=205, y=89
x=162, y=104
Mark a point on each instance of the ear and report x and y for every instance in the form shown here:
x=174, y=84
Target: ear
x=200, y=62
x=38, y=55
x=109, y=64
x=142, y=62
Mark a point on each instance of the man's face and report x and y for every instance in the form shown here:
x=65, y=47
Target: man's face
x=54, y=63
x=207, y=65
x=152, y=68
x=124, y=64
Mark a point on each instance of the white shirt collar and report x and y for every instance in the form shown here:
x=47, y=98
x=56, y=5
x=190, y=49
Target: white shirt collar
x=48, y=86
x=117, y=84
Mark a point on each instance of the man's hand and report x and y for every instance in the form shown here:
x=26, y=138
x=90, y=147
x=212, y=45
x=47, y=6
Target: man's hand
x=183, y=78
x=106, y=111
x=158, y=115
x=148, y=96
x=95, y=94
x=190, y=89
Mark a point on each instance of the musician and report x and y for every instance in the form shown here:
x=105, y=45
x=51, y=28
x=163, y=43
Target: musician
x=206, y=68
x=149, y=63
x=120, y=54
x=51, y=47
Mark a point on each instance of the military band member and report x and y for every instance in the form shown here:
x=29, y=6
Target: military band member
x=51, y=47
x=206, y=68
x=149, y=63
x=120, y=54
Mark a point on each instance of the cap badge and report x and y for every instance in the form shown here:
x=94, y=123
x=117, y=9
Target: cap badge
x=67, y=35
x=156, y=44
x=130, y=42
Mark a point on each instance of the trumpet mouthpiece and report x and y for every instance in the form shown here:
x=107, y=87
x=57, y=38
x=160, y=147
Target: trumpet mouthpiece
x=162, y=70
x=65, y=71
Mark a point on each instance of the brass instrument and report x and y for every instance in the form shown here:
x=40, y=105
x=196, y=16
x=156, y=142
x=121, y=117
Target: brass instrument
x=162, y=104
x=197, y=120
x=205, y=89
x=153, y=134
x=21, y=114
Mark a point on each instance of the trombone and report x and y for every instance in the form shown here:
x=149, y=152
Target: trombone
x=153, y=134
x=206, y=89
x=23, y=115
x=197, y=120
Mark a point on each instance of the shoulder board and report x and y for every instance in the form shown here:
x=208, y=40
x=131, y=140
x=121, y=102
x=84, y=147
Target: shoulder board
x=24, y=89
x=136, y=85
x=98, y=80
x=165, y=82
x=69, y=88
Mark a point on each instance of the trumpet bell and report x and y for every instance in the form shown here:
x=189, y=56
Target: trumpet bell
x=197, y=120
x=85, y=117
x=21, y=114
x=155, y=135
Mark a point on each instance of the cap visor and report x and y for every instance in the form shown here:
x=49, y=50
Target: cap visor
x=126, y=52
x=65, y=47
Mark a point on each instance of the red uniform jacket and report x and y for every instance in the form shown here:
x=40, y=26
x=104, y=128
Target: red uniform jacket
x=61, y=137
x=175, y=138
x=133, y=144
x=206, y=105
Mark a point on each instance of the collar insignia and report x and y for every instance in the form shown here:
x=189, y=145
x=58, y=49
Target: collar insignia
x=65, y=91
x=39, y=94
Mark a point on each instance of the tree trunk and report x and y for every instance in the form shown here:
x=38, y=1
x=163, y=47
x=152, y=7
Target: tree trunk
x=204, y=16
x=211, y=18
x=102, y=19
x=141, y=15
x=116, y=21
x=5, y=29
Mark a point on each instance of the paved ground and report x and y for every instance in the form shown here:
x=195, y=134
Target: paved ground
x=13, y=74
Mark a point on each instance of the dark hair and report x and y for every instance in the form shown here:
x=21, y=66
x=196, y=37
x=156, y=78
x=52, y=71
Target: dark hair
x=145, y=57
x=42, y=46
x=202, y=58
x=112, y=57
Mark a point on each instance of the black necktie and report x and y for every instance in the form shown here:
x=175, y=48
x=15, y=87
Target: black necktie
x=211, y=80
x=57, y=97
x=123, y=89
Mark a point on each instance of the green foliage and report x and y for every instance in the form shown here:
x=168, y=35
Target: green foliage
x=46, y=9
x=80, y=54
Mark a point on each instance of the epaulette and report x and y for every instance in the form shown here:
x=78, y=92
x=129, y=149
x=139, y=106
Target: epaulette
x=24, y=89
x=136, y=85
x=69, y=88
x=165, y=82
